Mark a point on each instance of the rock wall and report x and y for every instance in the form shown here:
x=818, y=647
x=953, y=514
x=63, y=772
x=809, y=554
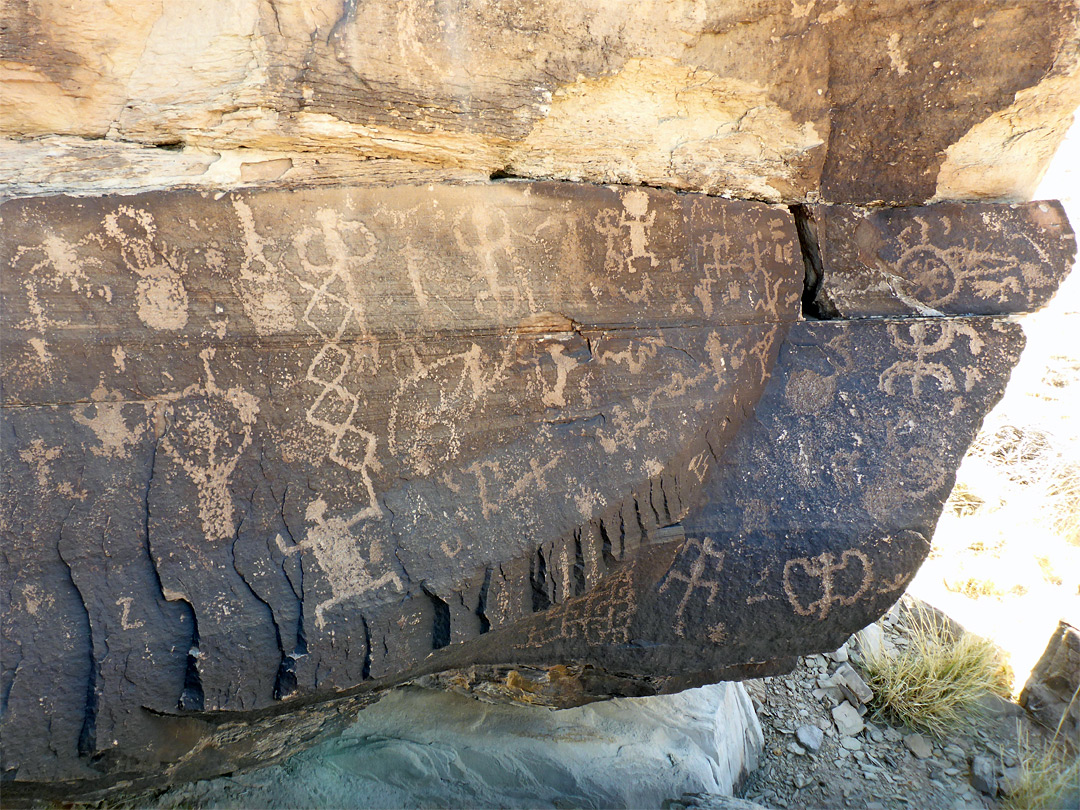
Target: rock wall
x=323, y=409
x=900, y=101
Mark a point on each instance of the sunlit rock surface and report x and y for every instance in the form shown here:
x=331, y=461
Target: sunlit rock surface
x=263, y=448
x=305, y=396
x=899, y=101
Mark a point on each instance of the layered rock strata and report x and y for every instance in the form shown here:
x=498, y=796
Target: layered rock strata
x=301, y=401
x=900, y=101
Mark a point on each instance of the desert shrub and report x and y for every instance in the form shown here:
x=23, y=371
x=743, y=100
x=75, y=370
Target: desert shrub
x=934, y=683
x=1049, y=776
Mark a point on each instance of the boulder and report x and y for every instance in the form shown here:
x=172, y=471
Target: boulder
x=322, y=435
x=333, y=440
x=1050, y=694
x=305, y=394
x=617, y=753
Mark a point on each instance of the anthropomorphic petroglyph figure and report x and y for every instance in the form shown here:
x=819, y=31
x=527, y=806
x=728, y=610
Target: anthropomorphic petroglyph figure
x=210, y=429
x=337, y=546
x=701, y=578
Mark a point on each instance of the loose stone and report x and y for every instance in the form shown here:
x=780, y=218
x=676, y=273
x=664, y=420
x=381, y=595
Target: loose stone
x=810, y=737
x=984, y=775
x=918, y=745
x=848, y=721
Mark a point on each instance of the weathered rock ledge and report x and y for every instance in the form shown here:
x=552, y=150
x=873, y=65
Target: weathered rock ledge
x=897, y=101
x=379, y=418
x=328, y=441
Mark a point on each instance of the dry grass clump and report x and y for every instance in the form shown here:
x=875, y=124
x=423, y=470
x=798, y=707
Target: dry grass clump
x=935, y=682
x=965, y=501
x=976, y=588
x=1049, y=777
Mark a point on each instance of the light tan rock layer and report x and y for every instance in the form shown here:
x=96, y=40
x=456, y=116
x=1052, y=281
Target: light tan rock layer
x=898, y=100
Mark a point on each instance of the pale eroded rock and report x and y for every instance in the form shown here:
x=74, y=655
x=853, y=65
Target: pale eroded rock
x=776, y=101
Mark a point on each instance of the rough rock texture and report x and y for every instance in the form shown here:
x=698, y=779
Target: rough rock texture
x=946, y=260
x=264, y=447
x=380, y=418
x=619, y=753
x=1052, y=692
x=321, y=434
x=777, y=99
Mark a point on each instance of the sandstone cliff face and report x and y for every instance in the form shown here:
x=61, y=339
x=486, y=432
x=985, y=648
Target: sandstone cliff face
x=300, y=404
x=898, y=101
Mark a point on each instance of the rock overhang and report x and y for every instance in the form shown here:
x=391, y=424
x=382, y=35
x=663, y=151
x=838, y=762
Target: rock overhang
x=304, y=405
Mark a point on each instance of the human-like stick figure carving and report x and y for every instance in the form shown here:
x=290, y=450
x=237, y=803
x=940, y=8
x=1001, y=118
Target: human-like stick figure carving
x=704, y=552
x=337, y=550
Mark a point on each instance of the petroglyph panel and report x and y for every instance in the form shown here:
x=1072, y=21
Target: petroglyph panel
x=946, y=259
x=330, y=432
x=816, y=515
x=261, y=448
x=824, y=505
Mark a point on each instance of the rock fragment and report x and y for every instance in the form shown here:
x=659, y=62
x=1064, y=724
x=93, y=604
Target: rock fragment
x=984, y=775
x=847, y=719
x=850, y=684
x=810, y=737
x=870, y=642
x=1009, y=782
x=1050, y=692
x=840, y=654
x=955, y=753
x=918, y=745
